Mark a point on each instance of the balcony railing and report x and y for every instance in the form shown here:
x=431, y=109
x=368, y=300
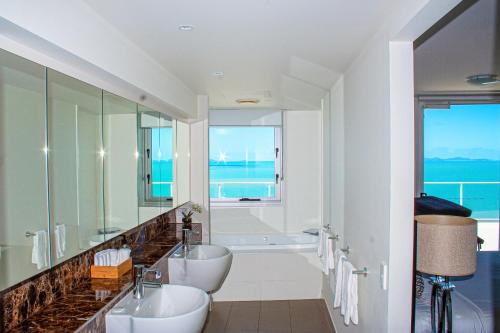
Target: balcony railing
x=461, y=187
x=220, y=185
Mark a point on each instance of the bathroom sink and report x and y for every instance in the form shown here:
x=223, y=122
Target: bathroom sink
x=203, y=266
x=170, y=308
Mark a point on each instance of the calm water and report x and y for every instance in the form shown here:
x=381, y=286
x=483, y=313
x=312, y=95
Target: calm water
x=162, y=172
x=482, y=199
x=242, y=172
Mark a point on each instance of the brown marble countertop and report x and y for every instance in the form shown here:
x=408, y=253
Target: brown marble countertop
x=88, y=298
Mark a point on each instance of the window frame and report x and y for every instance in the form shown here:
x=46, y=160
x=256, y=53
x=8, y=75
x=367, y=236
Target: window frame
x=278, y=172
x=146, y=188
x=439, y=101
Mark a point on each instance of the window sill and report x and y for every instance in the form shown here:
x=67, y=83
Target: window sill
x=245, y=204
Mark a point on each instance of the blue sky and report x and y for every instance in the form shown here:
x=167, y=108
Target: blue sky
x=470, y=131
x=229, y=144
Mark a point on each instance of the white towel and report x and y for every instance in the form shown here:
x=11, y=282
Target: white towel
x=60, y=240
x=339, y=258
x=321, y=242
x=39, y=251
x=330, y=254
x=349, y=303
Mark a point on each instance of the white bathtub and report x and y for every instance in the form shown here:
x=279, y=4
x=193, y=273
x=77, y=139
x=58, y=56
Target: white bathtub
x=270, y=267
x=266, y=242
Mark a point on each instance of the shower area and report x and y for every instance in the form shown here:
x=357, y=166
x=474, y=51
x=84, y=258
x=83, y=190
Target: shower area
x=265, y=172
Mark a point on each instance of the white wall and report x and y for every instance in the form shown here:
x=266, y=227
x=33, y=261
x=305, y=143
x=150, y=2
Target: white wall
x=199, y=164
x=377, y=182
x=301, y=196
x=93, y=51
x=271, y=276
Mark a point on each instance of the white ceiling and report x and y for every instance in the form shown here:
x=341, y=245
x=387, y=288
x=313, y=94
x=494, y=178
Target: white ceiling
x=466, y=46
x=283, y=52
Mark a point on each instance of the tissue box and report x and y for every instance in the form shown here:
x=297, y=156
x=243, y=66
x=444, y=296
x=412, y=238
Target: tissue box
x=110, y=272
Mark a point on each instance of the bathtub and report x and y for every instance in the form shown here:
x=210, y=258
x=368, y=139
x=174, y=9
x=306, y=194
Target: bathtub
x=270, y=267
x=266, y=242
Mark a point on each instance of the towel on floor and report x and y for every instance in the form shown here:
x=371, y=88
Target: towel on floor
x=339, y=258
x=60, y=240
x=39, y=251
x=349, y=298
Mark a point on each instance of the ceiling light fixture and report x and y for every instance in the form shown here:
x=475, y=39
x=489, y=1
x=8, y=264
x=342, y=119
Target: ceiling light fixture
x=483, y=79
x=218, y=74
x=247, y=101
x=186, y=27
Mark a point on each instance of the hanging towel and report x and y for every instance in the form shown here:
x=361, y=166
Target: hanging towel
x=330, y=254
x=60, y=240
x=349, y=302
x=39, y=252
x=339, y=258
x=321, y=242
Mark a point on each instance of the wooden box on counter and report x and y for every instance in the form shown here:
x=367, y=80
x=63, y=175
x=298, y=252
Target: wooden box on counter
x=111, y=272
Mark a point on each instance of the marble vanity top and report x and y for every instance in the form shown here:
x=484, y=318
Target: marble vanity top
x=79, y=310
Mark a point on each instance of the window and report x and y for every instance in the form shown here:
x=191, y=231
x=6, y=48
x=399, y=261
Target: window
x=245, y=164
x=158, y=164
x=461, y=160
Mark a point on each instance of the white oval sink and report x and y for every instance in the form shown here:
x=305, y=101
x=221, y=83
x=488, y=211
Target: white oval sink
x=204, y=267
x=171, y=308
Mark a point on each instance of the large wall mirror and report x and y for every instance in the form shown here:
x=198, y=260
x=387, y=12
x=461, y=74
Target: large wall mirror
x=120, y=165
x=78, y=166
x=75, y=164
x=23, y=173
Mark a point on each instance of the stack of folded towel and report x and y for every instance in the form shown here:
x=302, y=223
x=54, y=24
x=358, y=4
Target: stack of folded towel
x=346, y=288
x=325, y=251
x=111, y=257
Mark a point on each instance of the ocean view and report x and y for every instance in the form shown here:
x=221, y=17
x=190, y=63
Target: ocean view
x=162, y=178
x=482, y=199
x=230, y=179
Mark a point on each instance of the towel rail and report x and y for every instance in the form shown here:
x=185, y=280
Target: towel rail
x=29, y=234
x=329, y=230
x=363, y=271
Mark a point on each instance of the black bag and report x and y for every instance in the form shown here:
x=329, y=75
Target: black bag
x=430, y=205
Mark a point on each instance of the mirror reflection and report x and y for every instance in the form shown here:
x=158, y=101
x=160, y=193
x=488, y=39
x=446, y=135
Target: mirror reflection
x=23, y=181
x=78, y=166
x=155, y=177
x=76, y=156
x=120, y=165
x=182, y=163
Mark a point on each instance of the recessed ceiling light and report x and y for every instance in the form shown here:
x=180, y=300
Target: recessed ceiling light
x=247, y=101
x=186, y=27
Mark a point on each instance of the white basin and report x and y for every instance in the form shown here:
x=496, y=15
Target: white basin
x=204, y=267
x=178, y=309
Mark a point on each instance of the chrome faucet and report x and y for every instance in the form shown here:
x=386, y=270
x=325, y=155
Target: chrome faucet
x=140, y=272
x=187, y=239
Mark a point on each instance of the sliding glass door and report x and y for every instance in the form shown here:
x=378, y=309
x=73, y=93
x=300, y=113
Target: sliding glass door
x=462, y=161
